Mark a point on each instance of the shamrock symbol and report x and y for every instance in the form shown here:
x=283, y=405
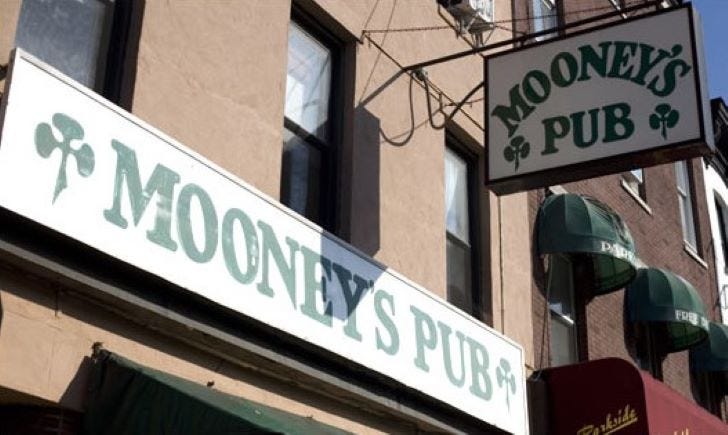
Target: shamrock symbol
x=664, y=116
x=71, y=130
x=505, y=378
x=518, y=149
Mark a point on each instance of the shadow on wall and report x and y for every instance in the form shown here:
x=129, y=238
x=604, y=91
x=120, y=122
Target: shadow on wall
x=364, y=162
x=365, y=183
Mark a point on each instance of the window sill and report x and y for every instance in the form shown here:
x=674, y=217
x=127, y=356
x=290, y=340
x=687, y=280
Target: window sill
x=636, y=197
x=694, y=255
x=557, y=189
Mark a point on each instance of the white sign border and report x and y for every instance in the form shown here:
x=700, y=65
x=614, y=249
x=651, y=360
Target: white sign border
x=585, y=169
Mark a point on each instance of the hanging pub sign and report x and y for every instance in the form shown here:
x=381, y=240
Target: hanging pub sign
x=610, y=99
x=77, y=164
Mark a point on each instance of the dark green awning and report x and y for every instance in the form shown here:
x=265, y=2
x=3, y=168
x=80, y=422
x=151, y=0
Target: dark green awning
x=659, y=296
x=712, y=354
x=128, y=398
x=589, y=232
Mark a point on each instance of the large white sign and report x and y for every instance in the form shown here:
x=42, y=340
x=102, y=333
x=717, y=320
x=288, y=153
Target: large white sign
x=85, y=168
x=606, y=100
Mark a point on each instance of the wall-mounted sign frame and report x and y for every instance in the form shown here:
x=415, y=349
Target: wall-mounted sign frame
x=612, y=98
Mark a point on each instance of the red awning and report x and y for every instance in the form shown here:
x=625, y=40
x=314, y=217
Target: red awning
x=611, y=396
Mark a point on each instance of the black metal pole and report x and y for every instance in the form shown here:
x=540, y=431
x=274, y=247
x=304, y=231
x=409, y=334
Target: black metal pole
x=529, y=36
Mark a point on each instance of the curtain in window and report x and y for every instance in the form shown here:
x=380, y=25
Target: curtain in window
x=456, y=196
x=308, y=82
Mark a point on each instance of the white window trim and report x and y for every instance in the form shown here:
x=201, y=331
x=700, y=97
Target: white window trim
x=688, y=205
x=636, y=196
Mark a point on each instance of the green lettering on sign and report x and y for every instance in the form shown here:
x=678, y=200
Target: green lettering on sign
x=161, y=182
x=393, y=347
x=184, y=224
x=352, y=297
x=481, y=385
x=445, y=332
x=313, y=286
x=287, y=270
x=423, y=338
x=251, y=246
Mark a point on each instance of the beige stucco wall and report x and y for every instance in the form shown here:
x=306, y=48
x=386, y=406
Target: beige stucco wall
x=46, y=339
x=212, y=75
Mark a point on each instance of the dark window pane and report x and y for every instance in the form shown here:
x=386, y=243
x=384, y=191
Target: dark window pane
x=562, y=310
x=544, y=17
x=300, y=181
x=459, y=275
x=70, y=35
x=563, y=341
x=561, y=286
x=720, y=210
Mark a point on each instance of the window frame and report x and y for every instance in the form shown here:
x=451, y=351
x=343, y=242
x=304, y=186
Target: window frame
x=330, y=149
x=117, y=35
x=636, y=183
x=708, y=385
x=456, y=146
x=555, y=7
x=686, y=204
x=649, y=353
x=721, y=214
x=571, y=322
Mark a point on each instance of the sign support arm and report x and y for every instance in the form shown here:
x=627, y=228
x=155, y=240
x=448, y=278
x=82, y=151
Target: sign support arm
x=529, y=36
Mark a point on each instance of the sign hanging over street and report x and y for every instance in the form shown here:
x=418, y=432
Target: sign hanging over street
x=79, y=165
x=610, y=99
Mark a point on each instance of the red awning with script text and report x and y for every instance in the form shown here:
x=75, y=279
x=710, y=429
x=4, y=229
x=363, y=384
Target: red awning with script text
x=611, y=396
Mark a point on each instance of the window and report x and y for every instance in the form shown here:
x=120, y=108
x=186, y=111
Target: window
x=562, y=311
x=308, y=140
x=459, y=212
x=649, y=352
x=635, y=181
x=545, y=16
x=721, y=213
x=684, y=192
x=709, y=387
x=81, y=38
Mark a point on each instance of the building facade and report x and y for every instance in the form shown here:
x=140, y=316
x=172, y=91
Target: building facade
x=715, y=191
x=261, y=216
x=341, y=185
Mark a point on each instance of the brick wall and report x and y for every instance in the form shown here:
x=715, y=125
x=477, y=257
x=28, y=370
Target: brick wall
x=659, y=243
x=658, y=238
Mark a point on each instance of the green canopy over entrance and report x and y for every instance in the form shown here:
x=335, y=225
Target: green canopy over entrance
x=128, y=398
x=589, y=232
x=660, y=296
x=712, y=354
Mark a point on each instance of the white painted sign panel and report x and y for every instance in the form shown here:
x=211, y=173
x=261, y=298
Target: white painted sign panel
x=85, y=168
x=627, y=95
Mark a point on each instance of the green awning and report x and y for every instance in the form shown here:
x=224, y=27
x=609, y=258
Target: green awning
x=659, y=296
x=712, y=354
x=128, y=398
x=590, y=233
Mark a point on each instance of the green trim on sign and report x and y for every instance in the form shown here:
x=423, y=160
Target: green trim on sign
x=660, y=296
x=588, y=231
x=712, y=354
x=128, y=398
